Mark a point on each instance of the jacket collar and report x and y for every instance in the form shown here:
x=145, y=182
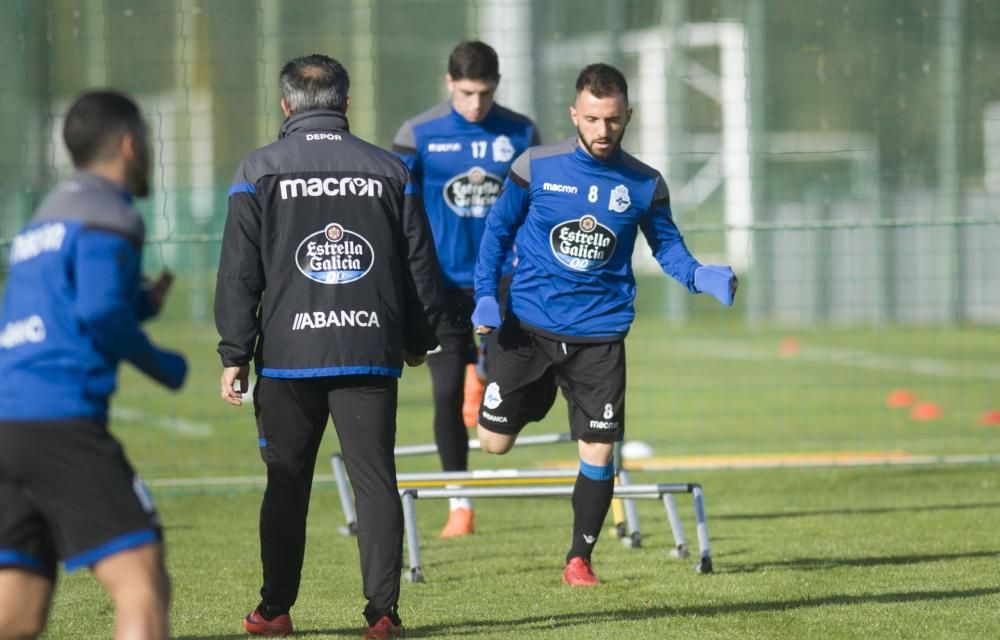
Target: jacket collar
x=88, y=180
x=315, y=120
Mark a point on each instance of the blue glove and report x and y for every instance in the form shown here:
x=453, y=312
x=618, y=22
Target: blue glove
x=487, y=313
x=717, y=281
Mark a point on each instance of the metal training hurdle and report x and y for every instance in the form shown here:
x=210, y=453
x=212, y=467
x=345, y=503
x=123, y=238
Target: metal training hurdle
x=630, y=537
x=655, y=491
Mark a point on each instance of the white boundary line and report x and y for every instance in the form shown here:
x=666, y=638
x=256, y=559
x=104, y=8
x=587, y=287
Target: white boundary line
x=934, y=367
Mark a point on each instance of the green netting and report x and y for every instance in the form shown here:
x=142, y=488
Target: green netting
x=843, y=154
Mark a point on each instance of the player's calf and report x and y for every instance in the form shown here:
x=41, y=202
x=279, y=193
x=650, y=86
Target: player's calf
x=137, y=581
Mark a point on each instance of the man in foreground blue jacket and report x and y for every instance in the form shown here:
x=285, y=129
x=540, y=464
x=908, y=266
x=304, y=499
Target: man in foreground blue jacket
x=71, y=311
x=575, y=208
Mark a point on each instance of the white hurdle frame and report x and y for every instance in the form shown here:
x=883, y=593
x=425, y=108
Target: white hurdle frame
x=632, y=539
x=664, y=492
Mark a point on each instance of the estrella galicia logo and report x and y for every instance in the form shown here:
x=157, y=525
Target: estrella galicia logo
x=334, y=255
x=582, y=244
x=471, y=194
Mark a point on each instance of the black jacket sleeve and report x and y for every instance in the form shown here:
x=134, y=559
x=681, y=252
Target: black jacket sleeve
x=240, y=282
x=422, y=286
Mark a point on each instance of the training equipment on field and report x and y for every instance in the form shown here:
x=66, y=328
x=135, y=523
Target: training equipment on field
x=655, y=491
x=626, y=530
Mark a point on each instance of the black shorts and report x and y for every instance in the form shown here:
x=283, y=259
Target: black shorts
x=68, y=493
x=455, y=333
x=524, y=369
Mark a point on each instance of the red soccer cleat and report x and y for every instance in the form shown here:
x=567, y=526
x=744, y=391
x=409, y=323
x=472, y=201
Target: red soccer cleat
x=578, y=573
x=384, y=627
x=255, y=624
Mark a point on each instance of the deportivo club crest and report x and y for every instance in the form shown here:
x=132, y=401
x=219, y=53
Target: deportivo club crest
x=492, y=399
x=582, y=244
x=471, y=194
x=503, y=149
x=334, y=255
x=619, y=201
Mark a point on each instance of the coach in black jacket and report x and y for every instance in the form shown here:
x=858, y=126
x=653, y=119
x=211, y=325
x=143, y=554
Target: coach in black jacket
x=329, y=281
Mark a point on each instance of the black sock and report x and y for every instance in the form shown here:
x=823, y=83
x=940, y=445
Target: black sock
x=591, y=500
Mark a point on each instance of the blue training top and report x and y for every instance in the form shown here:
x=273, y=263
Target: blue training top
x=73, y=304
x=460, y=166
x=575, y=219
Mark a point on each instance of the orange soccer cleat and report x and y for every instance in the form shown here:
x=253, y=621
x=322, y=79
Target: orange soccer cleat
x=460, y=523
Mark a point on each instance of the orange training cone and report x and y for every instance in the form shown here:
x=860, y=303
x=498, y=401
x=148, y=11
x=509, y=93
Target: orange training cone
x=900, y=399
x=926, y=411
x=990, y=418
x=474, y=390
x=789, y=347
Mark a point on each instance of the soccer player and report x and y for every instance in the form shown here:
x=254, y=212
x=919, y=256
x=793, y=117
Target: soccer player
x=575, y=208
x=71, y=311
x=459, y=153
x=328, y=281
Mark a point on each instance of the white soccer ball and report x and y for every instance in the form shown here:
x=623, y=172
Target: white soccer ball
x=636, y=450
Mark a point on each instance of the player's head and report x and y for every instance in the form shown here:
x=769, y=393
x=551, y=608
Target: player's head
x=314, y=82
x=104, y=132
x=600, y=111
x=472, y=78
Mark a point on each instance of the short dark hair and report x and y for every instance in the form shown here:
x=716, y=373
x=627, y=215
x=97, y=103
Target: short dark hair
x=473, y=60
x=602, y=80
x=96, y=120
x=314, y=82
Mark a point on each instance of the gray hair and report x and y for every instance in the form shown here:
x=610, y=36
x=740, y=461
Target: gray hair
x=314, y=82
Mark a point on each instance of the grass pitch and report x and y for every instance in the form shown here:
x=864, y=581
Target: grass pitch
x=864, y=552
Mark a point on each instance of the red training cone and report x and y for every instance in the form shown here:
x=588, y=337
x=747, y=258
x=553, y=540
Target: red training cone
x=900, y=399
x=990, y=418
x=926, y=411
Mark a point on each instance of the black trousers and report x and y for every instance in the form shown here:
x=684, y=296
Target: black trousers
x=291, y=418
x=458, y=349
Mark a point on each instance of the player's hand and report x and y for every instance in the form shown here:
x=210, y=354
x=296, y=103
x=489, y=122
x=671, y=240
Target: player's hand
x=414, y=360
x=486, y=316
x=157, y=289
x=718, y=281
x=230, y=375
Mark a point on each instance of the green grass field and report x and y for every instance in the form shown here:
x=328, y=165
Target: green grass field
x=858, y=552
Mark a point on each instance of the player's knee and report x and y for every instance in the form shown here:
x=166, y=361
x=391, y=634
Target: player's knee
x=20, y=625
x=495, y=443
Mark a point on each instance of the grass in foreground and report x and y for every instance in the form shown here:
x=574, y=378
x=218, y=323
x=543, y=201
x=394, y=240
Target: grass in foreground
x=840, y=553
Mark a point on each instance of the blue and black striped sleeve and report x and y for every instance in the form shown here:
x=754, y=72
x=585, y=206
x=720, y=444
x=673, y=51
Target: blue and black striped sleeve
x=240, y=280
x=504, y=219
x=665, y=239
x=109, y=265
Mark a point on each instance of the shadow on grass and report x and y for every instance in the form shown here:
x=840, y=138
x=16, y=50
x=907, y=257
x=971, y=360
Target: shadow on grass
x=812, y=564
x=562, y=620
x=855, y=512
